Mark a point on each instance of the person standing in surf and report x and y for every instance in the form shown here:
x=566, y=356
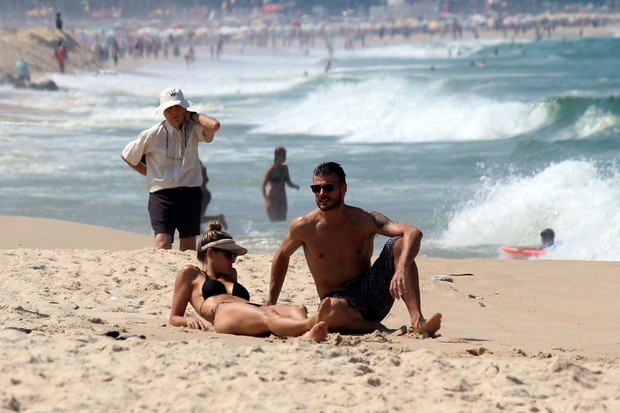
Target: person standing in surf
x=547, y=239
x=273, y=186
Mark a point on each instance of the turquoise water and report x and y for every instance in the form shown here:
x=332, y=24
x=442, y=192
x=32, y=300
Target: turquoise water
x=474, y=156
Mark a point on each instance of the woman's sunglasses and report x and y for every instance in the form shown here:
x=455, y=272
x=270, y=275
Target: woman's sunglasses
x=228, y=254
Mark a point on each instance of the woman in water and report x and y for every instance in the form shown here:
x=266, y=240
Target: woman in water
x=216, y=295
x=273, y=186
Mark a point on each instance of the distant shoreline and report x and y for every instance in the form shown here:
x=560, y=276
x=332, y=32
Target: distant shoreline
x=233, y=48
x=35, y=45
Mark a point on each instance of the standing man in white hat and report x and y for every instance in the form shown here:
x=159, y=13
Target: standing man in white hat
x=167, y=154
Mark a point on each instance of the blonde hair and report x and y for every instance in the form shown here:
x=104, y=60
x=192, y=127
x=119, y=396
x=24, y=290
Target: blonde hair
x=214, y=233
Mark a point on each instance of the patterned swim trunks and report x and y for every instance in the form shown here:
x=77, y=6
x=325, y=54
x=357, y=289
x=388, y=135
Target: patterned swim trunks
x=370, y=293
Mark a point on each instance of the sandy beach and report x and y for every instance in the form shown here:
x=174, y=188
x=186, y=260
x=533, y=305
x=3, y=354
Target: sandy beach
x=85, y=329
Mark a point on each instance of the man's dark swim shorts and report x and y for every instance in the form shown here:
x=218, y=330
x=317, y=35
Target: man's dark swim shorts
x=370, y=293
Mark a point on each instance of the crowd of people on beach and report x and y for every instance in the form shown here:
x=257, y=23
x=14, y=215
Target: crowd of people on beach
x=323, y=36
x=152, y=40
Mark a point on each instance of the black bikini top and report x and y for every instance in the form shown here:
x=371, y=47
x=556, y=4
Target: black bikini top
x=280, y=177
x=214, y=287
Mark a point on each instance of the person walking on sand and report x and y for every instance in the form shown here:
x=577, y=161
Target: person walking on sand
x=338, y=241
x=273, y=186
x=173, y=169
x=58, y=21
x=216, y=295
x=60, y=51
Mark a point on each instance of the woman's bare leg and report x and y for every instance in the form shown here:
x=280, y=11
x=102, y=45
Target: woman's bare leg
x=286, y=326
x=318, y=332
x=244, y=319
x=291, y=310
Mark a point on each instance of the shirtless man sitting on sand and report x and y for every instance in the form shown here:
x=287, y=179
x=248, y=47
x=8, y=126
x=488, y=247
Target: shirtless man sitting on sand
x=338, y=242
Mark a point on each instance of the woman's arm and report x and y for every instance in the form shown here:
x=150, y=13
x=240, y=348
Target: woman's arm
x=288, y=179
x=263, y=183
x=181, y=297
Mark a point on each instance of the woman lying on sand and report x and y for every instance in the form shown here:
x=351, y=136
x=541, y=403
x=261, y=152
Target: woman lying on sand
x=216, y=296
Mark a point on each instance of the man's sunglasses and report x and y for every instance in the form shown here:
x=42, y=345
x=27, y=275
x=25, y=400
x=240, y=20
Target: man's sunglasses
x=325, y=187
x=228, y=254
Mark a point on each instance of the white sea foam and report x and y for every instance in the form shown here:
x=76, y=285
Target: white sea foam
x=413, y=142
x=578, y=200
x=395, y=110
x=595, y=121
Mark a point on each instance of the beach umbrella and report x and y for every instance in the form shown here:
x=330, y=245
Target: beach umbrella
x=271, y=8
x=148, y=31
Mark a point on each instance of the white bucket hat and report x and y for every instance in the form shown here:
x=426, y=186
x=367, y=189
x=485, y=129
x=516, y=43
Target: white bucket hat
x=171, y=96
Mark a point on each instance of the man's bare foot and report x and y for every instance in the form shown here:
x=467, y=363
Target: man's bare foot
x=429, y=326
x=324, y=309
x=318, y=332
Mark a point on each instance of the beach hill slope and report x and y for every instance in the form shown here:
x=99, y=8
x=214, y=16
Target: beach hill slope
x=36, y=47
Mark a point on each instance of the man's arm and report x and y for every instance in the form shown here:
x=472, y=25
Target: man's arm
x=279, y=265
x=135, y=151
x=411, y=241
x=210, y=125
x=140, y=167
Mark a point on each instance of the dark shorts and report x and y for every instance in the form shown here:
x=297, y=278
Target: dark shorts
x=176, y=209
x=370, y=293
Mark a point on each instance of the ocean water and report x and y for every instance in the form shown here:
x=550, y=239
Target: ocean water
x=475, y=157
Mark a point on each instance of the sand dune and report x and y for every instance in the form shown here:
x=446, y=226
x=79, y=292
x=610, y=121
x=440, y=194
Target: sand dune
x=36, y=46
